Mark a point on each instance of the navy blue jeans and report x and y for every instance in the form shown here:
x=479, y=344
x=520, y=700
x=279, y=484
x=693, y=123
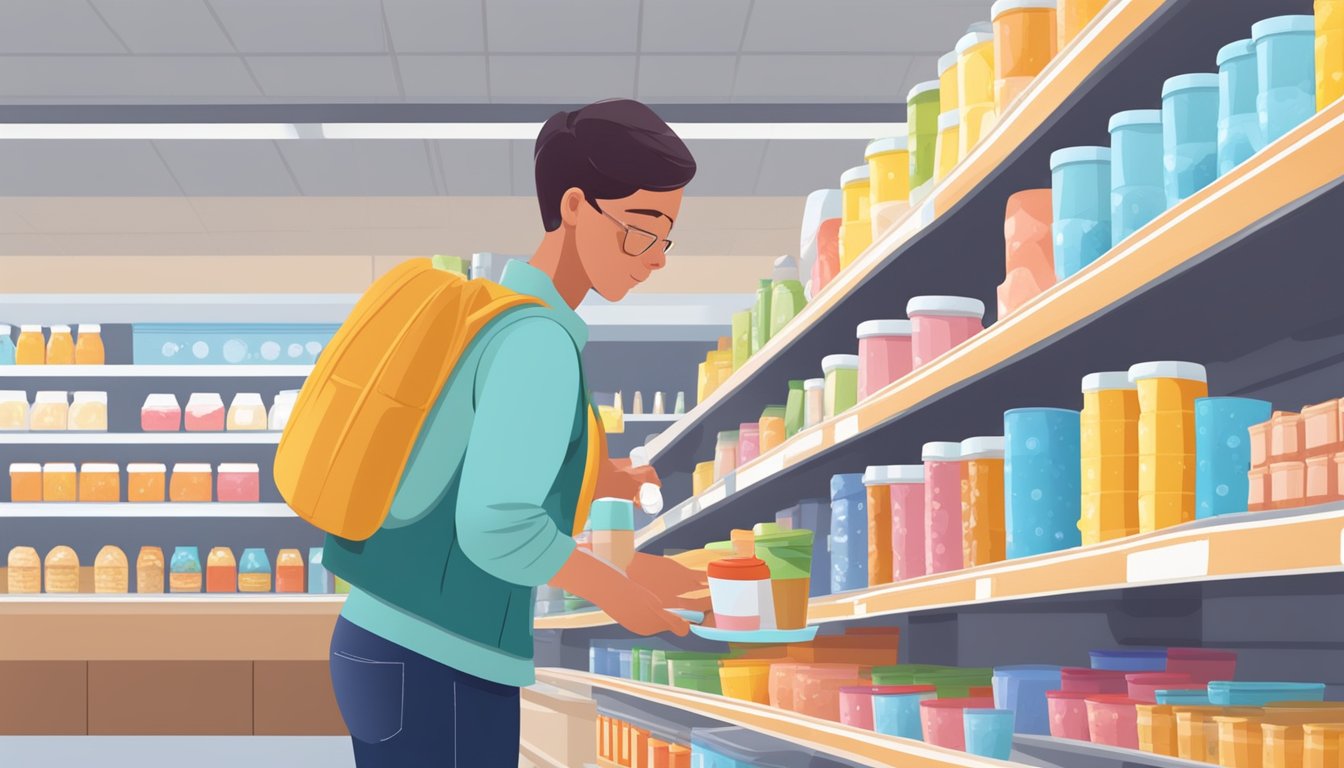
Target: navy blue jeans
x=403, y=709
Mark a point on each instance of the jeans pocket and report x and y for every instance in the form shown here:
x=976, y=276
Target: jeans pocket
x=370, y=695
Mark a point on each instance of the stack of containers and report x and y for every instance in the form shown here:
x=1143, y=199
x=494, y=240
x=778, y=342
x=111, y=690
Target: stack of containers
x=889, y=182
x=982, y=506
x=856, y=231
x=1029, y=263
x=1322, y=439
x=942, y=507
x=1223, y=453
x=1110, y=457
x=1024, y=43
x=1041, y=480
x=1167, y=394
x=921, y=116
x=1081, y=194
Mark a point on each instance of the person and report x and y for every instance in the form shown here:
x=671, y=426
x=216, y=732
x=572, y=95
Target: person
x=435, y=638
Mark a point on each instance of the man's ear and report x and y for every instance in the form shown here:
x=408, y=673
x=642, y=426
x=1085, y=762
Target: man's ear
x=570, y=203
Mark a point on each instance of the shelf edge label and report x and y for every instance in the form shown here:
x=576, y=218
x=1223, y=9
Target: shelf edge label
x=802, y=445
x=983, y=588
x=846, y=428
x=1179, y=561
x=763, y=469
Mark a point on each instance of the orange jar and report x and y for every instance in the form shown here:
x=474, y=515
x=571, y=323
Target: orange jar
x=146, y=482
x=100, y=483
x=89, y=348
x=25, y=483
x=984, y=536
x=32, y=348
x=221, y=571
x=58, y=482
x=1285, y=436
x=289, y=571
x=191, y=483
x=1024, y=42
x=61, y=346
x=877, y=482
x=1073, y=16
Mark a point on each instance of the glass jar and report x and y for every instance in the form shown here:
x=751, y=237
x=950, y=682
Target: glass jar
x=59, y=482
x=161, y=413
x=89, y=412
x=239, y=483
x=13, y=411
x=100, y=483
x=51, y=412
x=89, y=349
x=61, y=346
x=247, y=412
x=191, y=483
x=185, y=570
x=32, y=347
x=146, y=483
x=205, y=412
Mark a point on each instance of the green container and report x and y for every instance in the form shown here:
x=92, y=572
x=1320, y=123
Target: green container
x=636, y=663
x=720, y=546
x=794, y=409
x=760, y=317
x=903, y=674
x=658, y=667
x=450, y=264
x=956, y=683
x=786, y=299
x=921, y=120
x=788, y=554
x=842, y=383
x=741, y=338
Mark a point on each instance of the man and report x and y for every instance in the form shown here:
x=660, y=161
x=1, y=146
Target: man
x=436, y=636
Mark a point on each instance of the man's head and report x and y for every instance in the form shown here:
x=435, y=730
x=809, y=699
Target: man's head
x=611, y=175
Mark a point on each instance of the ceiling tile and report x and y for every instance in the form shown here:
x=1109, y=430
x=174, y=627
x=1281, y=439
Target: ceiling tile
x=435, y=26
x=821, y=79
x=685, y=79
x=54, y=26
x=475, y=167
x=859, y=26
x=798, y=167
x=75, y=168
x=456, y=79
x=210, y=168
x=338, y=167
x=561, y=79
x=165, y=26
x=573, y=26
x=693, y=26
x=303, y=26
x=103, y=77
x=312, y=78
x=725, y=167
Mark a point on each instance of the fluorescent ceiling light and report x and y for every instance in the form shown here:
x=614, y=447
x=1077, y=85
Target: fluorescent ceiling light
x=415, y=131
x=149, y=131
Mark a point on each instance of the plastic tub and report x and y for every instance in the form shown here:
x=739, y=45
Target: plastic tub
x=1239, y=134
x=205, y=412
x=1224, y=693
x=1223, y=453
x=1113, y=720
x=975, y=88
x=13, y=408
x=1068, y=714
x=1137, y=193
x=88, y=412
x=1197, y=733
x=1024, y=43
x=921, y=120
x=1042, y=473
x=885, y=354
x=877, y=482
x=1203, y=665
x=943, y=720
x=246, y=412
x=744, y=680
x=772, y=430
x=1286, y=436
x=25, y=483
x=1080, y=184
x=948, y=149
x=857, y=703
x=856, y=232
x=1321, y=428
x=982, y=505
x=1109, y=430
x=959, y=682
x=239, y=483
x=1130, y=659
x=1167, y=461
x=842, y=383
x=1143, y=686
x=100, y=483
x=788, y=554
x=1198, y=697
x=1022, y=689
x=1189, y=134
x=146, y=483
x=907, y=523
x=1288, y=484
x=1286, y=62
x=989, y=732
x=940, y=323
x=1320, y=481
x=896, y=710
x=191, y=483
x=1322, y=745
x=1329, y=52
x=942, y=507
x=1157, y=729
x=1029, y=253
x=50, y=412
x=849, y=533
x=816, y=693
x=59, y=482
x=1092, y=681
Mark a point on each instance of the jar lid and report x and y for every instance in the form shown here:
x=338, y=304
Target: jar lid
x=13, y=396
x=99, y=469
x=972, y=39
x=239, y=469
x=60, y=329
x=874, y=328
x=1235, y=50
x=90, y=328
x=856, y=174
x=1187, y=82
x=894, y=474
x=949, y=120
x=1068, y=155
x=739, y=569
x=65, y=468
x=161, y=401
x=288, y=395
x=922, y=88
x=205, y=398
x=953, y=306
x=136, y=469
x=1280, y=25
x=30, y=329
x=23, y=469
x=1004, y=6
x=191, y=469
x=612, y=515
x=91, y=397
x=946, y=61
x=247, y=398
x=941, y=452
x=1168, y=369
x=1105, y=380
x=814, y=384
x=882, y=146
x=1134, y=117
x=52, y=397
x=832, y=363
x=982, y=448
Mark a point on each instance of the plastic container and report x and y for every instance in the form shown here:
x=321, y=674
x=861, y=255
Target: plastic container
x=1068, y=715
x=1042, y=472
x=59, y=482
x=229, y=344
x=1322, y=745
x=940, y=323
x=741, y=330
x=7, y=350
x=1143, y=686
x=161, y=413
x=1073, y=16
x=942, y=507
x=1198, y=697
x=1243, y=694
x=149, y=571
x=239, y=483
x=612, y=522
x=1203, y=665
x=1189, y=134
x=146, y=483
x=1092, y=681
x=1320, y=485
x=205, y=412
x=89, y=348
x=842, y=383
x=1321, y=425
x=1285, y=54
x=1022, y=689
x=788, y=554
x=888, y=170
x=25, y=483
x=1029, y=258
x=822, y=205
x=793, y=408
x=702, y=477
x=32, y=346
x=947, y=148
x=745, y=680
x=982, y=506
x=88, y=412
x=772, y=430
x=185, y=570
x=748, y=442
x=191, y=483
x=1167, y=461
x=289, y=571
x=896, y=710
x=221, y=571
x=741, y=594
x=814, y=402
x=1137, y=192
x=254, y=571
x=1223, y=453
x=1157, y=729
x=856, y=231
x=1329, y=52
x=885, y=354
x=849, y=533
x=989, y=732
x=786, y=295
x=1113, y=720
x=856, y=704
x=975, y=88
x=319, y=580
x=725, y=454
x=947, y=83
x=959, y=682
x=100, y=483
x=60, y=346
x=1024, y=43
x=921, y=121
x=247, y=412
x=1109, y=431
x=61, y=571
x=1130, y=660
x=1287, y=438
x=13, y=410
x=877, y=483
x=1239, y=134
x=943, y=720
x=1080, y=185
x=1288, y=484
x=50, y=412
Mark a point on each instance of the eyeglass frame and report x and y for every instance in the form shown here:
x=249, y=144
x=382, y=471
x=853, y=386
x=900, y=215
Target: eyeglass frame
x=667, y=248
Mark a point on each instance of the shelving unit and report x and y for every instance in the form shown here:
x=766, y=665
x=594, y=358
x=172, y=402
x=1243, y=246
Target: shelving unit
x=1048, y=752
x=167, y=510
x=154, y=371
x=140, y=438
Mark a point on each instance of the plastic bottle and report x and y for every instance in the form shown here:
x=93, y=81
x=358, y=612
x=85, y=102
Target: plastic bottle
x=760, y=316
x=89, y=348
x=6, y=346
x=637, y=404
x=650, y=495
x=32, y=348
x=61, y=346
x=681, y=404
x=786, y=294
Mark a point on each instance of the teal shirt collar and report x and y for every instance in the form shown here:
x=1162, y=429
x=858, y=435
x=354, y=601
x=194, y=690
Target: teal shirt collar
x=526, y=279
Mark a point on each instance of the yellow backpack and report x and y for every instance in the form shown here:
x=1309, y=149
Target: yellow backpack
x=354, y=425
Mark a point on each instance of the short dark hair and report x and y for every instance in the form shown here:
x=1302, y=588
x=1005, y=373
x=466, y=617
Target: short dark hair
x=609, y=149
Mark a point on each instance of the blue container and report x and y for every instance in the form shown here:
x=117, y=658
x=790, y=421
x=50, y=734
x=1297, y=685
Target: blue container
x=989, y=732
x=1239, y=134
x=1189, y=134
x=225, y=344
x=6, y=346
x=745, y=748
x=1229, y=694
x=626, y=663
x=1042, y=473
x=897, y=714
x=1080, y=189
x=1130, y=660
x=1021, y=688
x=849, y=533
x=815, y=516
x=1223, y=452
x=1193, y=697
x=1137, y=194
x=319, y=581
x=1285, y=54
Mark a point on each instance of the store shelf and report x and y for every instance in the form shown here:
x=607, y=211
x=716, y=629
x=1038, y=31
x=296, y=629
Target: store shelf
x=1121, y=309
x=188, y=602
x=154, y=371
x=649, y=418
x=1050, y=752
x=167, y=510
x=139, y=438
x=852, y=744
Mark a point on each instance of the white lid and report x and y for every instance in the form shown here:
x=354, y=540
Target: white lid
x=954, y=306
x=30, y=329
x=5, y=330
x=814, y=384
x=896, y=473
x=90, y=328
x=949, y=120
x=831, y=363
x=1134, y=117
x=161, y=400
x=1235, y=50
x=237, y=469
x=99, y=469
x=136, y=469
x=59, y=467
x=52, y=397
x=873, y=328
x=946, y=61
x=205, y=398
x=246, y=398
x=1098, y=382
x=940, y=452
x=1278, y=25
x=289, y=395
x=24, y=468
x=1168, y=369
x=91, y=397
x=857, y=173
x=60, y=329
x=1004, y=6
x=1079, y=155
x=888, y=144
x=191, y=469
x=785, y=269
x=922, y=88
x=982, y=448
x=972, y=39
x=13, y=396
x=1185, y=82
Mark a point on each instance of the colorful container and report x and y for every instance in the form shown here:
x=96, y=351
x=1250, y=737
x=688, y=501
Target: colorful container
x=907, y=521
x=856, y=232
x=725, y=454
x=221, y=571
x=1041, y=480
x=1322, y=745
x=1029, y=259
x=947, y=85
x=1113, y=721
x=842, y=383
x=100, y=483
x=1189, y=134
x=1167, y=461
x=794, y=407
x=885, y=354
x=1203, y=665
x=888, y=173
x=786, y=295
x=741, y=338
x=788, y=554
x=975, y=89
x=1143, y=686
x=748, y=442
x=1080, y=184
x=1239, y=134
x=1073, y=16
x=822, y=205
x=940, y=323
x=254, y=571
x=1130, y=660
x=1286, y=62
x=856, y=704
x=943, y=720
x=948, y=149
x=184, y=570
x=921, y=120
x=1223, y=453
x=1245, y=694
x=1024, y=43
x=982, y=505
x=772, y=430
x=814, y=402
x=1329, y=52
x=1137, y=192
x=1022, y=689
x=1109, y=425
x=849, y=533
x=877, y=483
x=744, y=680
x=942, y=507
x=1157, y=729
x=896, y=710
x=1068, y=714
x=989, y=732
x=816, y=693
x=1092, y=681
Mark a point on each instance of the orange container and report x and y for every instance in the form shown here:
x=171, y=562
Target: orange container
x=1197, y=732
x=1320, y=483
x=1280, y=745
x=877, y=486
x=100, y=483
x=1258, y=499
x=1024, y=42
x=59, y=482
x=657, y=754
x=623, y=743
x=1321, y=747
x=146, y=482
x=1073, y=16
x=191, y=483
x=1287, y=483
x=984, y=537
x=1285, y=436
x=221, y=571
x=32, y=347
x=1157, y=729
x=25, y=483
x=678, y=756
x=1320, y=429
x=61, y=346
x=289, y=575
x=89, y=349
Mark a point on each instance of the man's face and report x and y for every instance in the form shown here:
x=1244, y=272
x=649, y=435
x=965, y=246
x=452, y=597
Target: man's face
x=622, y=242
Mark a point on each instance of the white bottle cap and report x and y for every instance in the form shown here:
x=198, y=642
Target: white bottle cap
x=153, y=469
x=60, y=329
x=85, y=328
x=239, y=469
x=52, y=397
x=91, y=397
x=30, y=329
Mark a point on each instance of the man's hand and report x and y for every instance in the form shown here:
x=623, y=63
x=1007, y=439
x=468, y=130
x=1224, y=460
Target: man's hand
x=618, y=480
x=668, y=580
x=626, y=601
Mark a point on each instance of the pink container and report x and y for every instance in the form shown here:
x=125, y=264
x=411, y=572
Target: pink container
x=748, y=442
x=1092, y=681
x=1202, y=665
x=816, y=690
x=161, y=413
x=1113, y=720
x=856, y=703
x=239, y=483
x=884, y=354
x=1068, y=715
x=943, y=723
x=782, y=678
x=943, y=550
x=1143, y=686
x=907, y=531
x=941, y=323
x=205, y=412
x=1029, y=264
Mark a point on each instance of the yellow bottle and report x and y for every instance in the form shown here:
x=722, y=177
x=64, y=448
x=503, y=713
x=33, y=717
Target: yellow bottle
x=947, y=82
x=1110, y=457
x=32, y=348
x=1167, y=392
x=89, y=347
x=856, y=232
x=888, y=182
x=975, y=88
x=947, y=149
x=1329, y=52
x=61, y=346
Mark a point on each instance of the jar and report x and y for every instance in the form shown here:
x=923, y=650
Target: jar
x=161, y=413
x=739, y=589
x=748, y=442
x=221, y=571
x=1189, y=134
x=939, y=323
x=1329, y=52
x=947, y=148
x=62, y=571
x=1259, y=491
x=772, y=428
x=254, y=571
x=877, y=483
x=703, y=477
x=1113, y=720
x=111, y=572
x=1109, y=434
x=1167, y=394
x=1288, y=484
x=1286, y=436
x=1080, y=186
x=1024, y=43
x=1322, y=745
x=793, y=409
x=742, y=325
x=725, y=455
x=889, y=182
x=760, y=317
x=1321, y=428
x=1223, y=453
x=842, y=384
x=146, y=483
x=947, y=83
x=1239, y=134
x=612, y=522
x=1041, y=471
x=24, y=574
x=60, y=346
x=319, y=581
x=149, y=571
x=59, y=482
x=89, y=412
x=786, y=295
x=921, y=120
x=884, y=354
x=89, y=349
x=849, y=533
x=975, y=88
x=788, y=554
x=185, y=570
x=51, y=412
x=942, y=507
x=13, y=411
x=982, y=507
x=289, y=571
x=856, y=231
x=1073, y=15
x=1285, y=53
x=1137, y=194
x=25, y=483
x=247, y=412
x=239, y=483
x=100, y=483
x=205, y=412
x=281, y=409
x=814, y=402
x=32, y=347
x=1029, y=259
x=191, y=483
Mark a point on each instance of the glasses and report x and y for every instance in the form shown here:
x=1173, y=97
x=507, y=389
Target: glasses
x=637, y=241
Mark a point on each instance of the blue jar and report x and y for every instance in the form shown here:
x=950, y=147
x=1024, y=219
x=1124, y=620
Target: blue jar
x=1021, y=688
x=1285, y=54
x=6, y=346
x=1080, y=188
x=849, y=533
x=1239, y=134
x=1189, y=134
x=1223, y=452
x=815, y=516
x=319, y=582
x=897, y=714
x=1042, y=477
x=1137, y=195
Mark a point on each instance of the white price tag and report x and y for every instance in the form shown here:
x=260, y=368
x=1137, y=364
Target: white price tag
x=802, y=444
x=860, y=608
x=714, y=495
x=1179, y=561
x=983, y=588
x=846, y=428
x=761, y=470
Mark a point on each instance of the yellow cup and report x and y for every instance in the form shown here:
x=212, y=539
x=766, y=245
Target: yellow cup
x=947, y=82
x=1107, y=516
x=745, y=681
x=1157, y=729
x=1329, y=52
x=1169, y=385
x=975, y=89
